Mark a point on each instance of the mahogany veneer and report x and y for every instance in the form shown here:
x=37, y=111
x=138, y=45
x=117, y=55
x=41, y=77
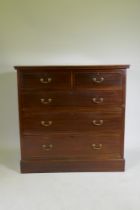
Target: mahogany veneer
x=72, y=118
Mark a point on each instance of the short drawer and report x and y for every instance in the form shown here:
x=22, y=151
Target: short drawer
x=100, y=80
x=105, y=122
x=46, y=80
x=74, y=146
x=44, y=100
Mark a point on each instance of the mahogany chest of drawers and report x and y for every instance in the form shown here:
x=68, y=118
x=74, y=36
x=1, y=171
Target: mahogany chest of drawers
x=72, y=118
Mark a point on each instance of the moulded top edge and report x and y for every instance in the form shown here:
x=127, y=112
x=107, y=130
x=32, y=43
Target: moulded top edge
x=74, y=66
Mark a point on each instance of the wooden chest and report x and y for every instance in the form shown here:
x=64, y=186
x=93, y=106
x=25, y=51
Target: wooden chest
x=72, y=118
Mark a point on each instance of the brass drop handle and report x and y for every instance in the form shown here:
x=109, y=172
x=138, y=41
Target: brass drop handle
x=98, y=101
x=46, y=124
x=46, y=80
x=97, y=147
x=43, y=101
x=94, y=79
x=100, y=122
x=47, y=147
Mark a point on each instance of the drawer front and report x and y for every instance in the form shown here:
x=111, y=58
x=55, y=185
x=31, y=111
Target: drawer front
x=62, y=146
x=71, y=121
x=43, y=100
x=46, y=80
x=98, y=80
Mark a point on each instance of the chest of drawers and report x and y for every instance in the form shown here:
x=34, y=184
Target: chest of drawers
x=72, y=118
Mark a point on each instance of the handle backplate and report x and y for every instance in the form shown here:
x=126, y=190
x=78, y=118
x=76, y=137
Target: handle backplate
x=46, y=124
x=98, y=123
x=100, y=80
x=43, y=101
x=97, y=147
x=47, y=147
x=45, y=80
x=98, y=101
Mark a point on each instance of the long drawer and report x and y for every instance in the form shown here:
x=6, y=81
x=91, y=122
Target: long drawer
x=41, y=123
x=73, y=146
x=44, y=100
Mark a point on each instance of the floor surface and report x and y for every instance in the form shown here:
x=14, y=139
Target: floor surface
x=69, y=191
